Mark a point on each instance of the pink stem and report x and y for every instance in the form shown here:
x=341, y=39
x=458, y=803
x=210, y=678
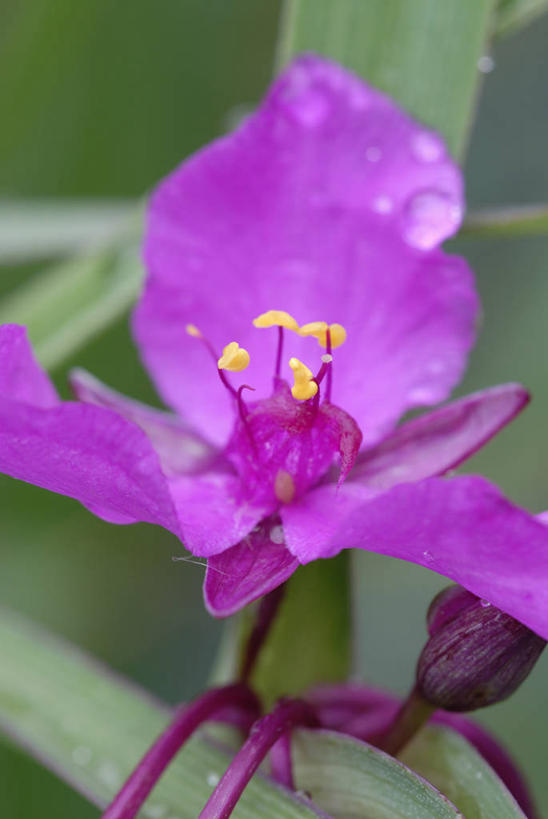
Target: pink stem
x=268, y=609
x=187, y=718
x=268, y=730
x=279, y=352
x=330, y=370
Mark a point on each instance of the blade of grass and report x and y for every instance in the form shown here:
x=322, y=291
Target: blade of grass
x=424, y=53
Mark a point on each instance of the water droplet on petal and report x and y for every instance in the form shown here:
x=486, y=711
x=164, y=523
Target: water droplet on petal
x=419, y=395
x=485, y=603
x=428, y=556
x=436, y=366
x=429, y=217
x=485, y=64
x=382, y=204
x=309, y=106
x=426, y=146
x=373, y=153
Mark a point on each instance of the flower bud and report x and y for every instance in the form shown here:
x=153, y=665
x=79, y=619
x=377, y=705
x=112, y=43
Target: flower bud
x=476, y=655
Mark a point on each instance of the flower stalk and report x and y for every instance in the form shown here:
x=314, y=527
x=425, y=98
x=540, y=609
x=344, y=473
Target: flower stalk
x=187, y=719
x=268, y=608
x=264, y=734
x=413, y=714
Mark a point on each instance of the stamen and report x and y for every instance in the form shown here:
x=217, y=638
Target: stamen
x=304, y=387
x=234, y=358
x=276, y=318
x=320, y=329
x=281, y=320
x=193, y=331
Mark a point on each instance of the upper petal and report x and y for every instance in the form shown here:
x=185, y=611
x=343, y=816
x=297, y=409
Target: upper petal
x=21, y=378
x=462, y=528
x=179, y=448
x=439, y=440
x=329, y=202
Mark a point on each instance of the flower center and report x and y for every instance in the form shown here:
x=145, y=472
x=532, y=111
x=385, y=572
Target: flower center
x=282, y=445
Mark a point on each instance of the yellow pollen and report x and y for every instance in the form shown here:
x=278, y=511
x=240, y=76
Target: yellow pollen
x=318, y=329
x=276, y=318
x=304, y=387
x=193, y=331
x=284, y=486
x=234, y=358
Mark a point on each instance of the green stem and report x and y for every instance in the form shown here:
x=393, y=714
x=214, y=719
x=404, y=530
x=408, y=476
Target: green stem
x=413, y=714
x=507, y=222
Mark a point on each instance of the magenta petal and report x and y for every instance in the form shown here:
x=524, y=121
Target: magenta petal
x=21, y=378
x=328, y=202
x=440, y=440
x=247, y=571
x=87, y=453
x=179, y=448
x=462, y=528
x=214, y=511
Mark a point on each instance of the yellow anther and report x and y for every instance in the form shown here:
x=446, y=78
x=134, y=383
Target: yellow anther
x=318, y=329
x=193, y=331
x=276, y=318
x=234, y=358
x=304, y=387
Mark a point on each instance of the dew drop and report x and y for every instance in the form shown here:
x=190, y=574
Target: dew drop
x=109, y=774
x=436, y=366
x=309, y=107
x=82, y=755
x=428, y=556
x=419, y=395
x=373, y=154
x=485, y=64
x=213, y=779
x=382, y=204
x=156, y=811
x=429, y=217
x=485, y=603
x=426, y=146
x=277, y=534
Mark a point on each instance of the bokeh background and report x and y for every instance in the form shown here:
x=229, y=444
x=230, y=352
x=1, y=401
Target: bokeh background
x=100, y=99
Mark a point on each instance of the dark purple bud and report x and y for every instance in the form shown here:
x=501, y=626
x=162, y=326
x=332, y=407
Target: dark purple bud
x=476, y=655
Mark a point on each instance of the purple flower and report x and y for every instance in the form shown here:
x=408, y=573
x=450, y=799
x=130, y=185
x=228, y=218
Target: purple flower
x=329, y=203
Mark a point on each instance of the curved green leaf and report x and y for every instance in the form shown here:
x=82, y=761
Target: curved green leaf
x=424, y=53
x=91, y=728
x=445, y=758
x=512, y=15
x=353, y=780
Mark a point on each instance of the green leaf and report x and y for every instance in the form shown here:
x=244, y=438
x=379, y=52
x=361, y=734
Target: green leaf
x=447, y=760
x=424, y=53
x=44, y=229
x=70, y=303
x=507, y=222
x=352, y=780
x=310, y=640
x=512, y=15
x=91, y=728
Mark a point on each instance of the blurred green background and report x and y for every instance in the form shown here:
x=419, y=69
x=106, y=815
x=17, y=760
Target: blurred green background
x=100, y=100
